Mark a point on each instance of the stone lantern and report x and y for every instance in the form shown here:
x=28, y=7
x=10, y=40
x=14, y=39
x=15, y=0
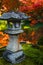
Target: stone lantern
x=14, y=52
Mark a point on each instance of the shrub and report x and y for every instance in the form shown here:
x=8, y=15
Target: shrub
x=40, y=41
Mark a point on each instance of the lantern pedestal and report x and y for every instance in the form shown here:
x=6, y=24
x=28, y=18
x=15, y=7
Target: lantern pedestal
x=13, y=44
x=14, y=53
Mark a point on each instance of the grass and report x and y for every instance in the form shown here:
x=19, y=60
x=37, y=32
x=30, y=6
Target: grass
x=33, y=56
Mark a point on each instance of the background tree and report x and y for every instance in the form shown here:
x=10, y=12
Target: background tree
x=9, y=5
x=35, y=10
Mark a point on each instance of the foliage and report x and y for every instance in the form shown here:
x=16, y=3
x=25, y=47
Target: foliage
x=28, y=2
x=34, y=54
x=40, y=41
x=3, y=25
x=1, y=51
x=35, y=10
x=9, y=5
x=4, y=39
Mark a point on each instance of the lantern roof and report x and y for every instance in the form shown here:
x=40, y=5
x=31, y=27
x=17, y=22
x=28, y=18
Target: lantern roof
x=14, y=15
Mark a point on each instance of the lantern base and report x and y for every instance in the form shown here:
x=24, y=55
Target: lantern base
x=14, y=57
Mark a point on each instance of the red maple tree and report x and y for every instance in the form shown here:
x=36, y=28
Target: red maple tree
x=35, y=10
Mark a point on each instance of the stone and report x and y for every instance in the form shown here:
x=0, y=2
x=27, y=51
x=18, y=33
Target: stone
x=14, y=57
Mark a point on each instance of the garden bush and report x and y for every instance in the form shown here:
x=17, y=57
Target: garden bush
x=40, y=41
